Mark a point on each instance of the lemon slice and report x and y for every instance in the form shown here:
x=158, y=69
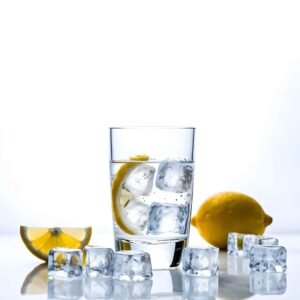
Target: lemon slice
x=40, y=240
x=120, y=197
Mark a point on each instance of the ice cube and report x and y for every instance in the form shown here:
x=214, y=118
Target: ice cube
x=137, y=213
x=174, y=176
x=250, y=240
x=235, y=243
x=196, y=287
x=59, y=288
x=132, y=289
x=64, y=263
x=100, y=287
x=268, y=259
x=98, y=261
x=267, y=283
x=200, y=261
x=140, y=181
x=132, y=265
x=165, y=218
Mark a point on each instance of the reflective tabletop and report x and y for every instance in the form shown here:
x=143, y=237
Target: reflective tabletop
x=25, y=277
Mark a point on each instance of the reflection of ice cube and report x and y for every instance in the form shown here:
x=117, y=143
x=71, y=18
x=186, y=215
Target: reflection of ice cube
x=98, y=288
x=174, y=176
x=140, y=180
x=132, y=265
x=237, y=265
x=64, y=263
x=200, y=261
x=267, y=283
x=164, y=218
x=132, y=290
x=268, y=259
x=65, y=288
x=99, y=261
x=137, y=213
x=195, y=287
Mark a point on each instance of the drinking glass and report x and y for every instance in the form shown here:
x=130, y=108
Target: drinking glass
x=152, y=172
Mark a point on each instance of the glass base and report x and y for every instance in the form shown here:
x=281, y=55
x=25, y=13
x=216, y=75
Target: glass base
x=164, y=255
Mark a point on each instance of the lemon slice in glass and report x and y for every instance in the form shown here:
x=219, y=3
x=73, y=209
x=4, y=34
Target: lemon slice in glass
x=120, y=197
x=40, y=240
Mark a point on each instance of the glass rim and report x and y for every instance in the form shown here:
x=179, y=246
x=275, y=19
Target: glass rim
x=152, y=127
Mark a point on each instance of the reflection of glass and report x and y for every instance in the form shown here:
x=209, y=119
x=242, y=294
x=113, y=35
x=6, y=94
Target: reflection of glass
x=35, y=282
x=166, y=282
x=237, y=265
x=152, y=186
x=65, y=288
x=98, y=287
x=267, y=283
x=132, y=289
x=195, y=287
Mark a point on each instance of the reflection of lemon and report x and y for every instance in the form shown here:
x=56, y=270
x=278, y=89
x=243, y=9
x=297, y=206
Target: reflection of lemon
x=40, y=240
x=229, y=212
x=36, y=281
x=120, y=197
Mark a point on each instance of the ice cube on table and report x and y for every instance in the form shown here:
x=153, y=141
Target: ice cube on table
x=100, y=287
x=267, y=283
x=64, y=263
x=268, y=259
x=132, y=265
x=98, y=261
x=166, y=218
x=250, y=240
x=196, y=287
x=140, y=180
x=137, y=213
x=200, y=261
x=59, y=288
x=174, y=176
x=235, y=243
x=132, y=289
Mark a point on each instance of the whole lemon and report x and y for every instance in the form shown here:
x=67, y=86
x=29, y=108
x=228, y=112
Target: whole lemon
x=229, y=212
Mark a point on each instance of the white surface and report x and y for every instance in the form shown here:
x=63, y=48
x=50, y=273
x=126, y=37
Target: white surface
x=70, y=69
x=18, y=265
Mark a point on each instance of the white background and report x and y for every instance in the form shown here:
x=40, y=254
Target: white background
x=69, y=70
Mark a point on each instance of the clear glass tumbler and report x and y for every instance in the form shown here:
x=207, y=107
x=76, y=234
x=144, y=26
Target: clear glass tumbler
x=152, y=189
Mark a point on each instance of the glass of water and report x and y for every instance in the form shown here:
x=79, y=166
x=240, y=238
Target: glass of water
x=152, y=189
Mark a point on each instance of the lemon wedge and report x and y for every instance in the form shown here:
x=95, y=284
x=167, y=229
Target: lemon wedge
x=120, y=197
x=40, y=240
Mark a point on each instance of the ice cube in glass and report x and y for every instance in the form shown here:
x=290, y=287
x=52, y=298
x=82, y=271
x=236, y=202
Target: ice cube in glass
x=200, y=261
x=165, y=218
x=140, y=180
x=174, y=176
x=268, y=259
x=132, y=265
x=137, y=213
x=98, y=261
x=235, y=243
x=64, y=263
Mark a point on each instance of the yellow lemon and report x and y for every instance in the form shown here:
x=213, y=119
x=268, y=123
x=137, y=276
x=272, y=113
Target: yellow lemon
x=40, y=240
x=120, y=196
x=229, y=212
